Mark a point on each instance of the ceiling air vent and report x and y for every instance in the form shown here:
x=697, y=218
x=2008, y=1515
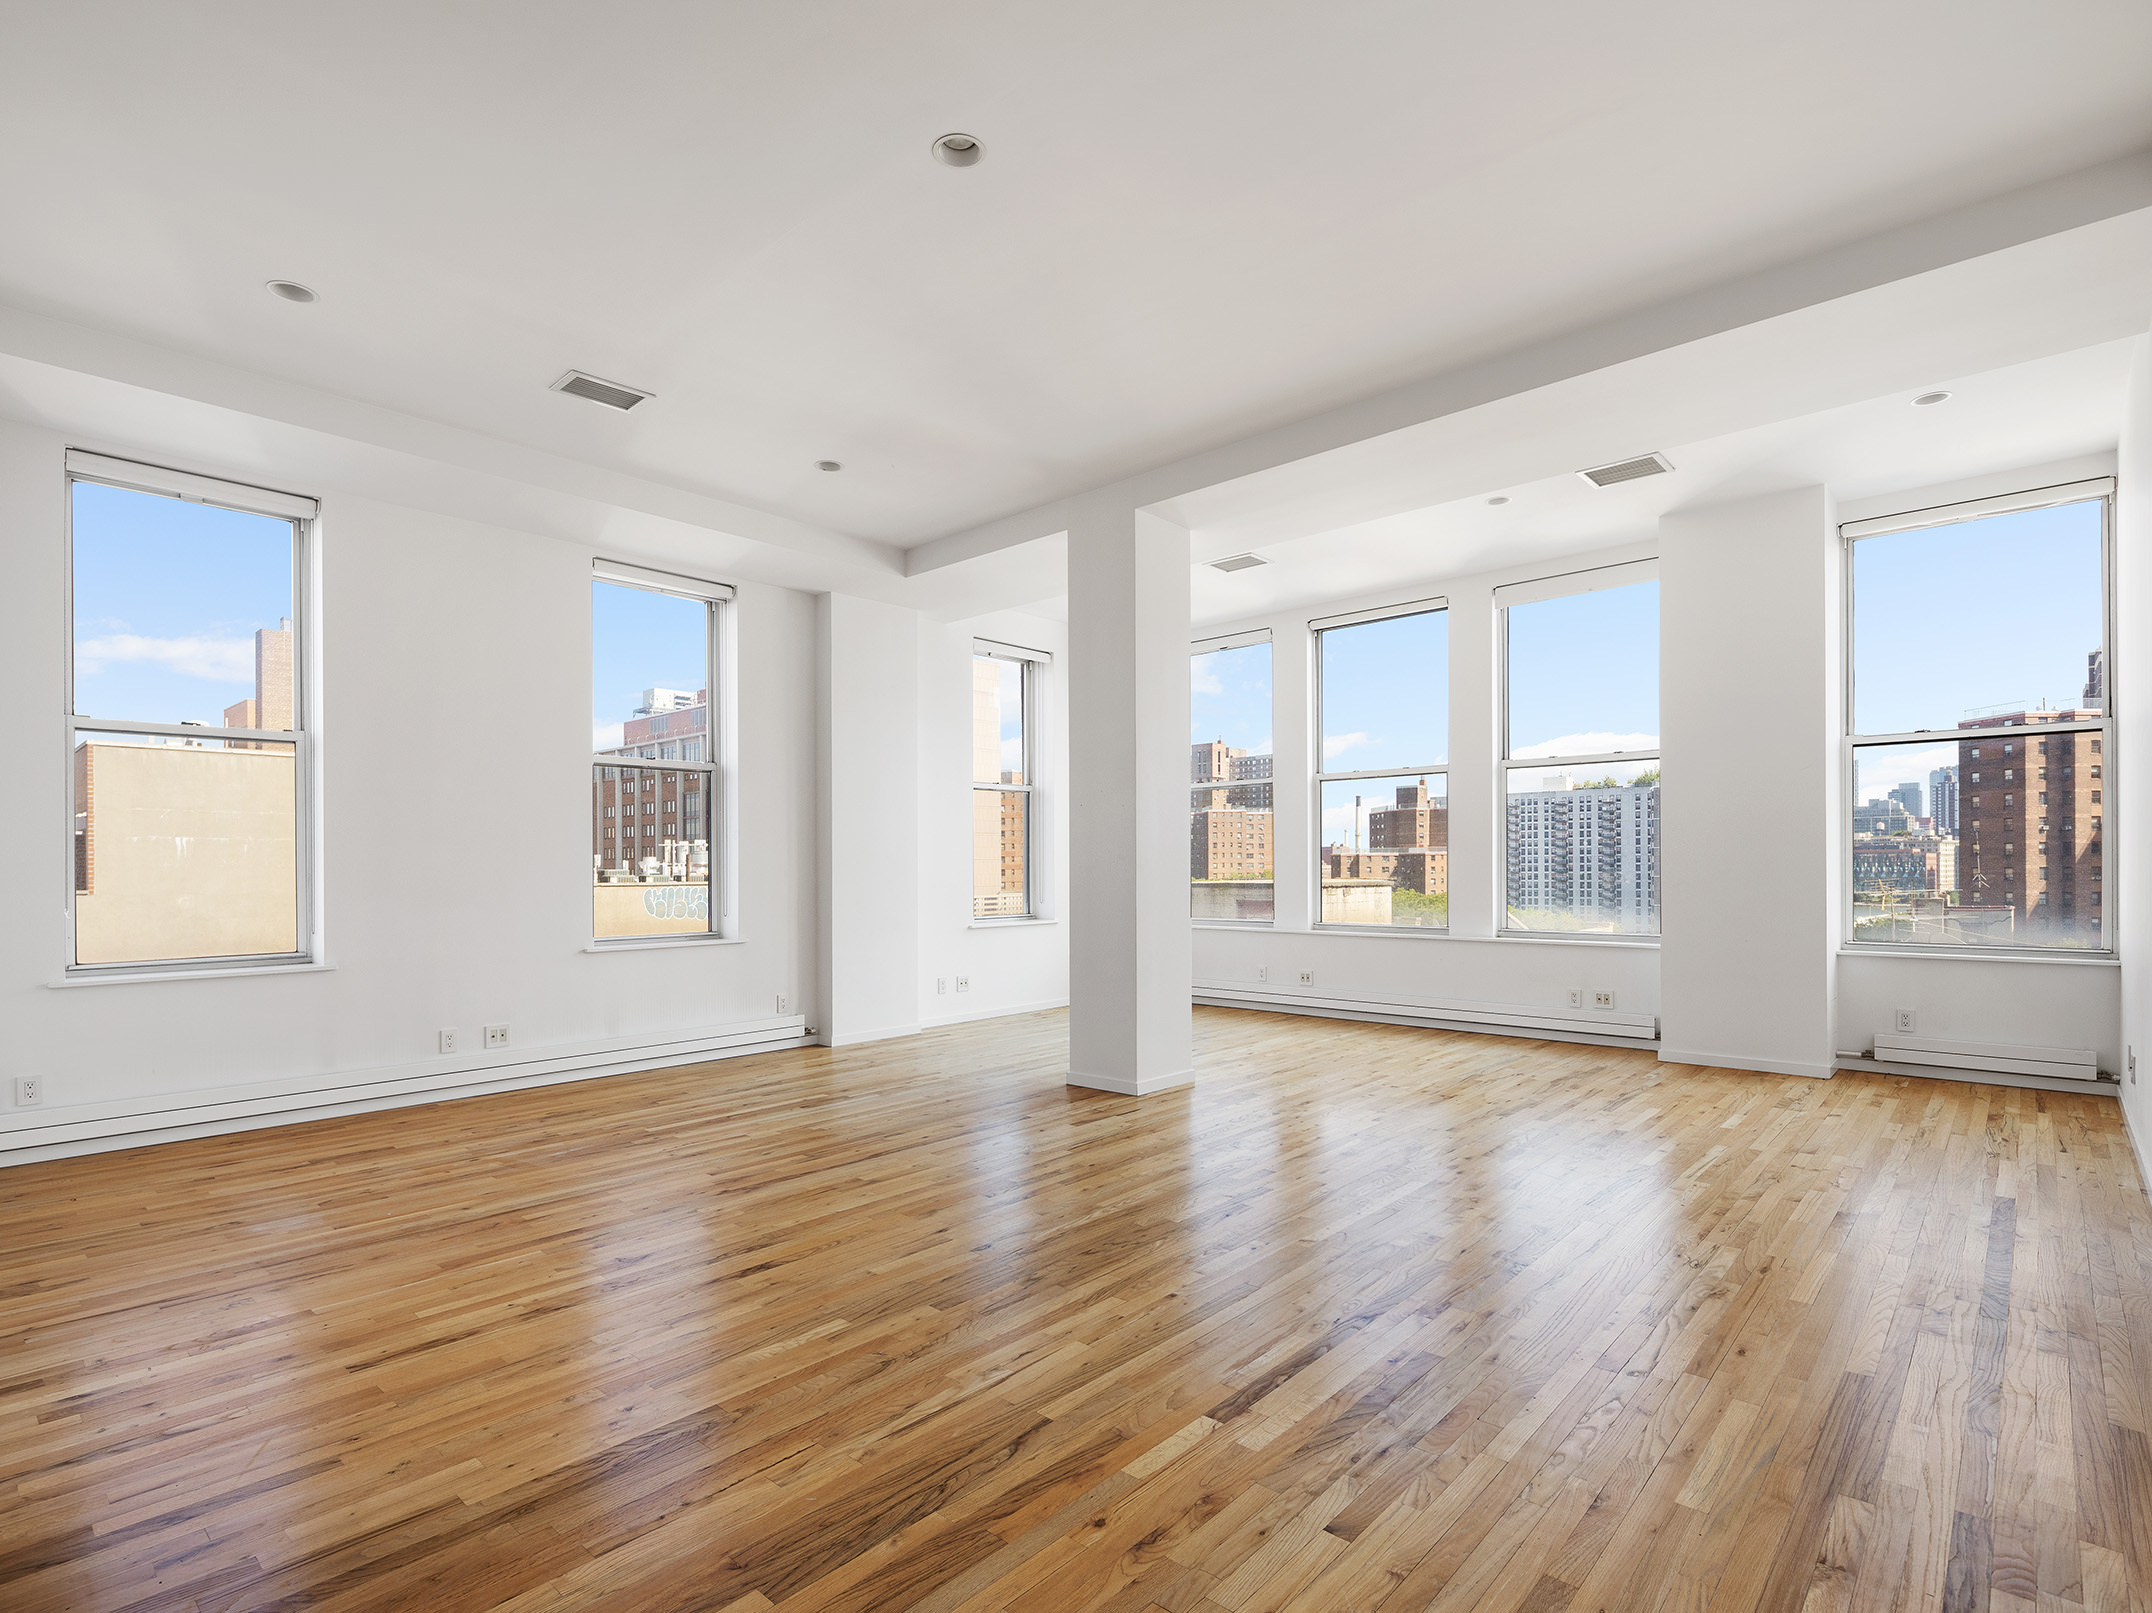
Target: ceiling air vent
x=1628, y=470
x=1238, y=562
x=610, y=393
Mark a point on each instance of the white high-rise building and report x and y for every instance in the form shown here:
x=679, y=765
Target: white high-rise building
x=1943, y=799
x=1591, y=851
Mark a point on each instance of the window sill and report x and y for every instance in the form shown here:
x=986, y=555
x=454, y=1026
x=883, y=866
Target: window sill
x=1531, y=938
x=1008, y=923
x=2076, y=960
x=665, y=943
x=1265, y=925
x=69, y=982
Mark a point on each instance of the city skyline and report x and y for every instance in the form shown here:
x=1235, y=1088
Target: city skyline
x=640, y=639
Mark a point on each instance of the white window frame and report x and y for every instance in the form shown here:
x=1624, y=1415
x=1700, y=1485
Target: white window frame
x=2102, y=489
x=1317, y=627
x=1242, y=641
x=303, y=513
x=1033, y=664
x=1560, y=585
x=718, y=765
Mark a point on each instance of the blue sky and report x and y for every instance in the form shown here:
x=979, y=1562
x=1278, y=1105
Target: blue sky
x=1584, y=673
x=640, y=640
x=1386, y=693
x=168, y=596
x=1229, y=698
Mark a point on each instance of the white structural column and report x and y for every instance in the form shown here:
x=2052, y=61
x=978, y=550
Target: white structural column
x=867, y=671
x=1129, y=949
x=2130, y=684
x=1749, y=693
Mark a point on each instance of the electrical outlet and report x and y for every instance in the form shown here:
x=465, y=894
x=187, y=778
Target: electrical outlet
x=496, y=1036
x=448, y=1039
x=29, y=1091
x=1262, y=973
x=1905, y=1022
x=1603, y=999
x=941, y=985
x=2133, y=1066
x=1307, y=977
x=1576, y=996
x=784, y=1003
x=963, y=982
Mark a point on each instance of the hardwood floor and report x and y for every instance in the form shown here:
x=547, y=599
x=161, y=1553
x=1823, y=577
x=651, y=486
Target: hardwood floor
x=1372, y=1318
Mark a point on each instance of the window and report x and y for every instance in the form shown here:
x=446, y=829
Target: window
x=1232, y=846
x=192, y=760
x=1581, y=753
x=1930, y=870
x=654, y=641
x=1383, y=810
x=1004, y=687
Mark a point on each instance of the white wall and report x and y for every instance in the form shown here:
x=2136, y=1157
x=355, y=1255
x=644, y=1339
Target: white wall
x=1011, y=966
x=1748, y=700
x=2132, y=683
x=868, y=819
x=454, y=750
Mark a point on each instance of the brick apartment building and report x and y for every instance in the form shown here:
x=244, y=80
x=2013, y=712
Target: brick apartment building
x=643, y=813
x=2031, y=811
x=1230, y=821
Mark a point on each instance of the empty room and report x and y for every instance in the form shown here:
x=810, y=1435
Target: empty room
x=1265, y=808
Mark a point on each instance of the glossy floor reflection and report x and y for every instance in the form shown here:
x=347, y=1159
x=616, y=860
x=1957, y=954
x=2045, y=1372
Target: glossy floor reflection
x=1371, y=1318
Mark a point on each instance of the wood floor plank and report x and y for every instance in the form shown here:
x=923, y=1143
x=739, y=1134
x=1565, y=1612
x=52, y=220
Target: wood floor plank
x=1370, y=1320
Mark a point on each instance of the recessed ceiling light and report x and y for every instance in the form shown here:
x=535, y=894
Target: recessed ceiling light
x=828, y=464
x=1927, y=398
x=292, y=291
x=1498, y=500
x=958, y=150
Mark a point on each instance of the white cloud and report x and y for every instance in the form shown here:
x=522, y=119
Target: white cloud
x=222, y=660
x=1589, y=745
x=1339, y=744
x=1202, y=680
x=607, y=735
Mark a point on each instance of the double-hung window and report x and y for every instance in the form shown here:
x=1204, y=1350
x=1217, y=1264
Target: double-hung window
x=656, y=785
x=191, y=767
x=1382, y=786
x=1580, y=760
x=1232, y=848
x=1979, y=724
x=1004, y=783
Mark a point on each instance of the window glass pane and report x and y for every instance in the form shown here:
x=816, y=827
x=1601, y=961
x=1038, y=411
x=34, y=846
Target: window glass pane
x=1385, y=856
x=1582, y=848
x=182, y=611
x=1993, y=838
x=1386, y=699
x=1230, y=844
x=650, y=838
x=1000, y=853
x=1584, y=673
x=997, y=720
x=650, y=658
x=1978, y=618
x=184, y=848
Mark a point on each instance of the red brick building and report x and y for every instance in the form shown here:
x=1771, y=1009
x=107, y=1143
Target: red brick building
x=2031, y=816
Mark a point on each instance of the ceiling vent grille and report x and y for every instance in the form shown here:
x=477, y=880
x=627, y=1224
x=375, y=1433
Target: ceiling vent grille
x=1238, y=562
x=1628, y=470
x=610, y=393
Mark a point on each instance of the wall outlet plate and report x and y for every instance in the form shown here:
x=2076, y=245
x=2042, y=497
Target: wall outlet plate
x=1905, y=1022
x=1307, y=977
x=496, y=1036
x=1262, y=973
x=1603, y=999
x=29, y=1091
x=963, y=982
x=784, y=1003
x=941, y=985
x=448, y=1039
x=1576, y=996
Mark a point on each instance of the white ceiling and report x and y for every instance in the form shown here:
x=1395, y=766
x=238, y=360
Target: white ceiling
x=1194, y=221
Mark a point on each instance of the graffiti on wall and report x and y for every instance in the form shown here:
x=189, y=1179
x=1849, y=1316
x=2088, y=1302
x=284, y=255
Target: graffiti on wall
x=678, y=902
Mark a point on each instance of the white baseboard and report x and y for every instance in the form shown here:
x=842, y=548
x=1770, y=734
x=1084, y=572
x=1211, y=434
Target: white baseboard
x=1741, y=1061
x=1440, y=1013
x=1142, y=1088
x=63, y=1131
x=1990, y=1078
x=937, y=1021
x=881, y=1033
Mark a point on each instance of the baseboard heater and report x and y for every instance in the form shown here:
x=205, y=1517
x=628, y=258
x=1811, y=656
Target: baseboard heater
x=2000, y=1058
x=1450, y=1013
